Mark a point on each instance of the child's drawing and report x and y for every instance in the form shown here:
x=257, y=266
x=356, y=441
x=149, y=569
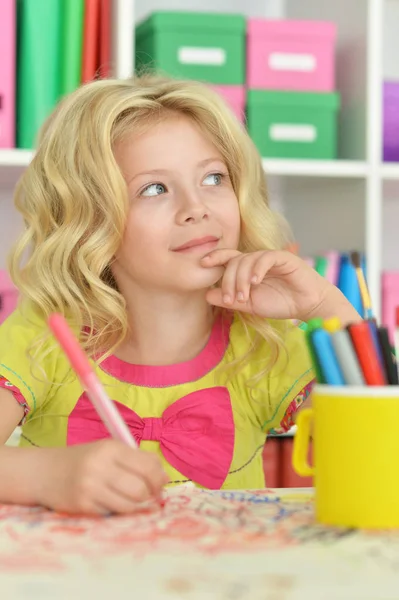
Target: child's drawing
x=202, y=541
x=202, y=520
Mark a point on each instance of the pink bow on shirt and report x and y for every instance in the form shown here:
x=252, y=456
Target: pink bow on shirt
x=195, y=433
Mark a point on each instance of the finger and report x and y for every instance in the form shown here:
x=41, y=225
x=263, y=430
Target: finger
x=219, y=257
x=131, y=486
x=96, y=509
x=267, y=260
x=89, y=504
x=81, y=508
x=123, y=497
x=228, y=282
x=214, y=296
x=146, y=466
x=244, y=275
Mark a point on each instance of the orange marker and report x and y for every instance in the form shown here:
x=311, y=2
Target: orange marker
x=367, y=353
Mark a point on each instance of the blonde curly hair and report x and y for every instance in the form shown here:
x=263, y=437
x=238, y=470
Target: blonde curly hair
x=73, y=199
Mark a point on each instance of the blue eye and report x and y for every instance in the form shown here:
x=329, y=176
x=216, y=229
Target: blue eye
x=213, y=179
x=154, y=189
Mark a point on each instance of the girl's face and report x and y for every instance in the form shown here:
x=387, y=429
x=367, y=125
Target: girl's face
x=182, y=206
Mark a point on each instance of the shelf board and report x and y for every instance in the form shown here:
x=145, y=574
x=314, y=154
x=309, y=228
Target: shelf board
x=390, y=171
x=12, y=164
x=15, y=157
x=305, y=168
x=282, y=167
x=315, y=168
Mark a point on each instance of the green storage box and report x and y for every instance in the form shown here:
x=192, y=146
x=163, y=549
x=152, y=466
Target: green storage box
x=205, y=46
x=293, y=124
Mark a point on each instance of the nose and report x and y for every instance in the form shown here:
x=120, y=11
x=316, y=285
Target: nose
x=191, y=208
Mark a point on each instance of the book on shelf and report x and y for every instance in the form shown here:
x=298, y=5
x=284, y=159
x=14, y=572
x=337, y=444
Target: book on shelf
x=38, y=65
x=7, y=72
x=72, y=44
x=91, y=39
x=105, y=39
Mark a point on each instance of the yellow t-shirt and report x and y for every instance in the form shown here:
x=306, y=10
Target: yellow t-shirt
x=204, y=427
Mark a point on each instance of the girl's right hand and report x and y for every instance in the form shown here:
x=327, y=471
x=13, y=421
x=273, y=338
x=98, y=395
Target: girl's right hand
x=98, y=478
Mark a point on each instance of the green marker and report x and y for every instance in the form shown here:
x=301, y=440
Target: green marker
x=321, y=265
x=314, y=324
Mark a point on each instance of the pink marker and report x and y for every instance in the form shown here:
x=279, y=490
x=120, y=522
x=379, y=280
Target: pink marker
x=80, y=363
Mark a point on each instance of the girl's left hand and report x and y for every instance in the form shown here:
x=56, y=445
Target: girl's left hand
x=276, y=285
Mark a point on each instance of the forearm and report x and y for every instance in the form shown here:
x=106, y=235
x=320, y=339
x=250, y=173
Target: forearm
x=19, y=475
x=335, y=304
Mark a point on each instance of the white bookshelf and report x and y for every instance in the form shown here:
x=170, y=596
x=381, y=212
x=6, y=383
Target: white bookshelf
x=390, y=171
x=336, y=204
x=14, y=158
x=351, y=169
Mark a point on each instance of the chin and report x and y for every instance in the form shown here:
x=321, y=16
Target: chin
x=202, y=279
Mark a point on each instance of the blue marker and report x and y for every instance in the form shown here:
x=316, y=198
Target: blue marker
x=374, y=335
x=327, y=358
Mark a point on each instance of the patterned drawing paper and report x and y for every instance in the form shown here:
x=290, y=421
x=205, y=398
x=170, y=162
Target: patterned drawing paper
x=255, y=545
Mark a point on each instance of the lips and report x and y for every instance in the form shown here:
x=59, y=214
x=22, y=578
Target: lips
x=198, y=242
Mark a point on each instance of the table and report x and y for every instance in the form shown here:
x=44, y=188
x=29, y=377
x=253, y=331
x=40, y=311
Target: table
x=255, y=545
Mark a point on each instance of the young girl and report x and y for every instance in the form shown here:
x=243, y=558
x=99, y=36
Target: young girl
x=148, y=227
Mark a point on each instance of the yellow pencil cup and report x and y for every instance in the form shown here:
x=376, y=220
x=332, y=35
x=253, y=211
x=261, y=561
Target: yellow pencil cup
x=355, y=434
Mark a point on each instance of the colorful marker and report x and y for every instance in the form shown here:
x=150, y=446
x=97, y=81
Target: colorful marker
x=326, y=357
x=363, y=343
x=356, y=260
x=344, y=351
x=105, y=407
x=396, y=333
x=333, y=259
x=312, y=325
x=391, y=368
x=374, y=334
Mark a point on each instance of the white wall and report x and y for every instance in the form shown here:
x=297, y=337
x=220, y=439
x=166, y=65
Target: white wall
x=391, y=39
x=252, y=8
x=324, y=213
x=10, y=226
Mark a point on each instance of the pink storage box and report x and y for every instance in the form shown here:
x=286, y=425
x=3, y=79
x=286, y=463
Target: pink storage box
x=291, y=55
x=234, y=95
x=7, y=73
x=8, y=296
x=390, y=300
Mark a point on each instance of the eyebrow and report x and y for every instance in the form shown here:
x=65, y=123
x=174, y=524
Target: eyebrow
x=202, y=163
